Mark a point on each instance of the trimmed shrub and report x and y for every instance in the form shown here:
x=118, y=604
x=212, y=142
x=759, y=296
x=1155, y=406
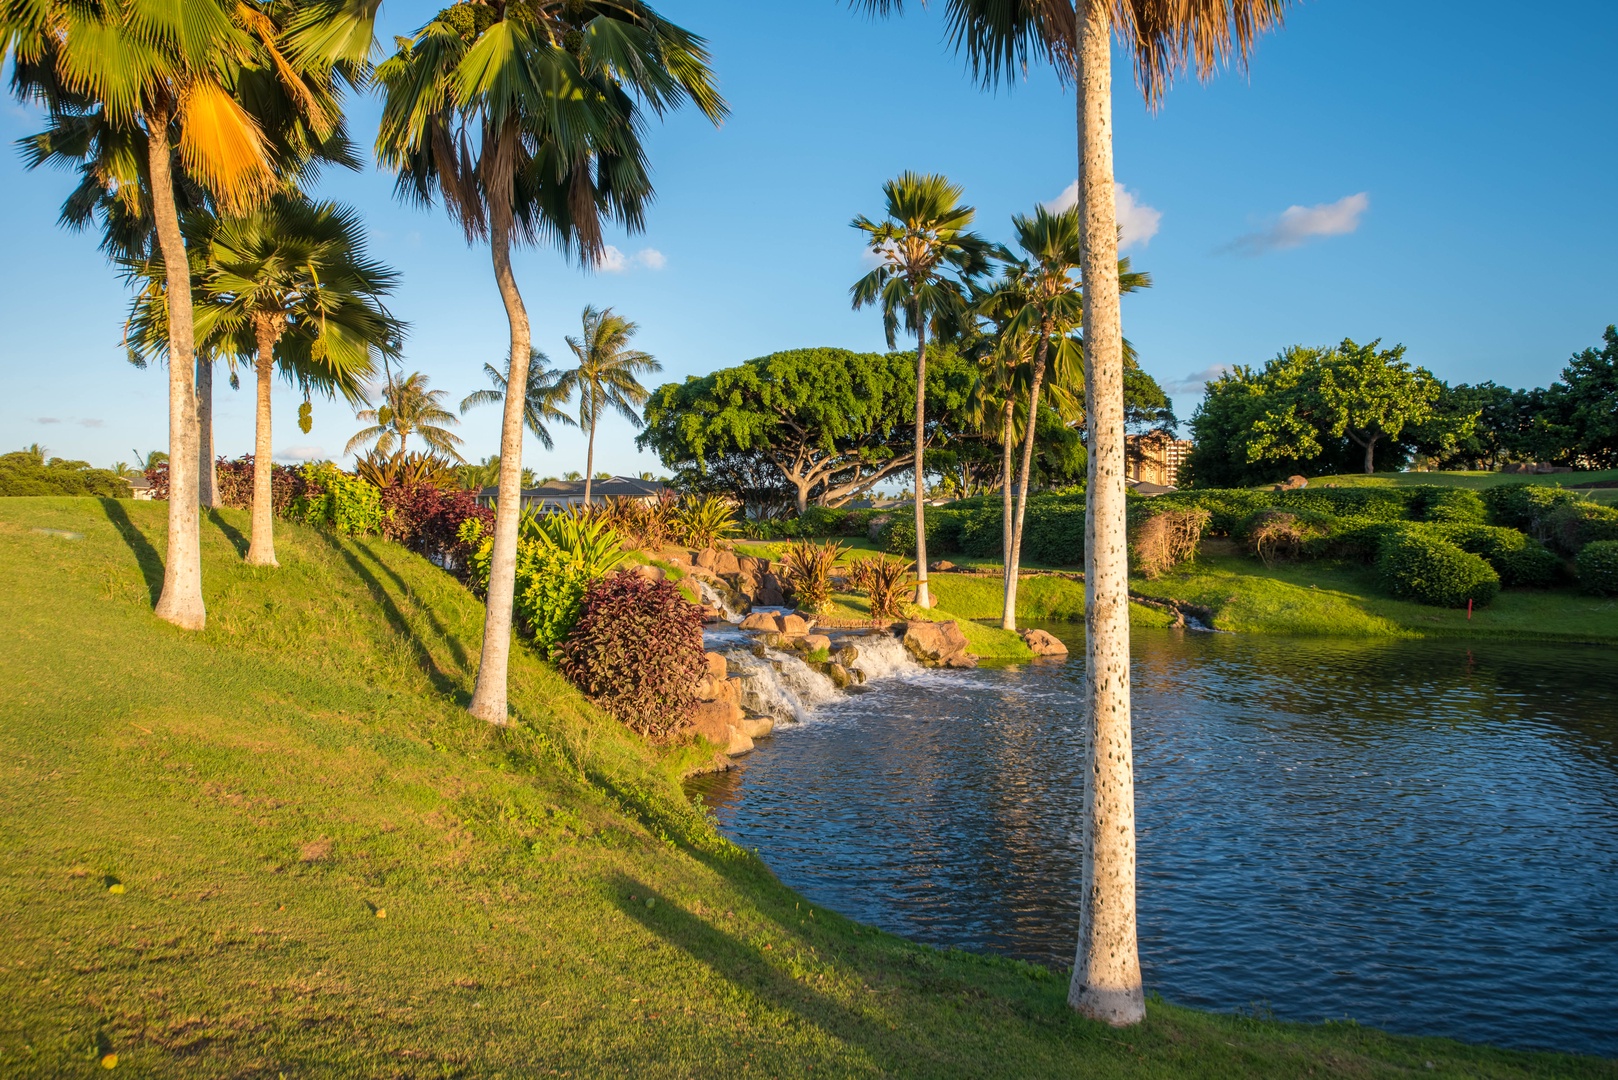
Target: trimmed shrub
x=1598, y=568
x=943, y=532
x=636, y=650
x=1449, y=505
x=1524, y=506
x=1570, y=526
x=27, y=472
x=558, y=557
x=1518, y=559
x=1430, y=570
x=1228, y=508
x=346, y=504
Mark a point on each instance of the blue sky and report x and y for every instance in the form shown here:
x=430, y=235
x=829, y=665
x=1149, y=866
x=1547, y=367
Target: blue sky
x=1435, y=174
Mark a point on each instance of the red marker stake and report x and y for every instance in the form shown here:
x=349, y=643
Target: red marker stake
x=1469, y=611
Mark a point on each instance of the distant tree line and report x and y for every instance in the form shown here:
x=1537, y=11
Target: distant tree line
x=1353, y=408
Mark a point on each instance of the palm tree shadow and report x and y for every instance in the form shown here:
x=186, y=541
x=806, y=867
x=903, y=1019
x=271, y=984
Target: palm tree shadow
x=146, y=556
x=450, y=640
x=233, y=534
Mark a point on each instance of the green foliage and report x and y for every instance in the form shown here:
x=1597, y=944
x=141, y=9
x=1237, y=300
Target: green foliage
x=346, y=504
x=1524, y=506
x=636, y=650
x=1518, y=559
x=1452, y=506
x=808, y=568
x=1572, y=525
x=27, y=472
x=558, y=557
x=703, y=521
x=1434, y=571
x=1598, y=568
x=884, y=581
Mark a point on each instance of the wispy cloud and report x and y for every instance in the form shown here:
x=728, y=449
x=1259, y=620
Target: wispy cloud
x=47, y=420
x=91, y=422
x=301, y=453
x=1137, y=222
x=1300, y=224
x=1194, y=382
x=614, y=261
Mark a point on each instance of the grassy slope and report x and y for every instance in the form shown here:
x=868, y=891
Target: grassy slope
x=1477, y=480
x=266, y=790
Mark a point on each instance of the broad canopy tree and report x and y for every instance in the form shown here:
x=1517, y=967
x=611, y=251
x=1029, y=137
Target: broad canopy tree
x=834, y=423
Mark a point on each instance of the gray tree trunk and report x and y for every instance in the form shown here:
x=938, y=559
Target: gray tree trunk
x=923, y=597
x=1008, y=610
x=489, y=697
x=1005, y=489
x=207, y=462
x=181, y=599
x=589, y=462
x=1106, y=982
x=261, y=548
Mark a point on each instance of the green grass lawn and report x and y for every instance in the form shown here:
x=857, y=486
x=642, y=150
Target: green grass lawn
x=1478, y=480
x=281, y=847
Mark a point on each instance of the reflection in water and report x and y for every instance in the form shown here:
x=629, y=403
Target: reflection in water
x=1422, y=835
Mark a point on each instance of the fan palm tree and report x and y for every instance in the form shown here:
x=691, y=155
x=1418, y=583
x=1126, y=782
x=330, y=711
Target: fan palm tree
x=541, y=404
x=408, y=408
x=999, y=37
x=925, y=254
x=168, y=81
x=605, y=378
x=526, y=119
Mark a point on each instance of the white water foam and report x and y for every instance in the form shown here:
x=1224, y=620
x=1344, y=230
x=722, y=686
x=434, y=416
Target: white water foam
x=882, y=656
x=712, y=598
x=780, y=684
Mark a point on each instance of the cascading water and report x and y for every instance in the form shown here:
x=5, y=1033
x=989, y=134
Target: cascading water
x=882, y=656
x=713, y=599
x=780, y=684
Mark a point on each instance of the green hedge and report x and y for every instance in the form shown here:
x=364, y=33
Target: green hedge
x=1598, y=568
x=1452, y=506
x=1518, y=559
x=1570, y=526
x=1422, y=567
x=1524, y=506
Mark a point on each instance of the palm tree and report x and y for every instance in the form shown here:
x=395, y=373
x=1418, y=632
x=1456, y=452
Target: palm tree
x=158, y=76
x=925, y=253
x=408, y=408
x=541, y=404
x=605, y=378
x=1164, y=36
x=526, y=119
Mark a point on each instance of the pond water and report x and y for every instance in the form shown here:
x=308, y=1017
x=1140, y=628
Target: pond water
x=1420, y=835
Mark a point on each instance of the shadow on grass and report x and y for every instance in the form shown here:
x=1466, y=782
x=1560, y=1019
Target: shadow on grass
x=231, y=533
x=146, y=556
x=450, y=640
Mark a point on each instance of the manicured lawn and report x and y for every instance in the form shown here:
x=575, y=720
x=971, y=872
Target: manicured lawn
x=1479, y=480
x=324, y=867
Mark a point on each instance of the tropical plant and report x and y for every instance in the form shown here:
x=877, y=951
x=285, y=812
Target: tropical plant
x=558, y=556
x=703, y=521
x=590, y=539
x=605, y=378
x=332, y=498
x=808, y=568
x=408, y=408
x=400, y=469
x=237, y=96
x=885, y=581
x=999, y=37
x=541, y=403
x=926, y=252
x=526, y=119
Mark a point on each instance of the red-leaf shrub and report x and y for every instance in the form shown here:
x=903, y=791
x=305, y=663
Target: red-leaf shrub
x=235, y=480
x=158, y=477
x=427, y=519
x=637, y=651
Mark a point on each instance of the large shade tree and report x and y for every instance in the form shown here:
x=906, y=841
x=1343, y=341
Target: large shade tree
x=1163, y=37
x=229, y=92
x=526, y=120
x=926, y=253
x=606, y=378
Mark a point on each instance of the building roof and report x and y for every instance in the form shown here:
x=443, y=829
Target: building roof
x=617, y=487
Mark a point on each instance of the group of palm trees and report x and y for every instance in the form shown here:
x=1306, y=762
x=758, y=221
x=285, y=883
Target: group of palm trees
x=196, y=125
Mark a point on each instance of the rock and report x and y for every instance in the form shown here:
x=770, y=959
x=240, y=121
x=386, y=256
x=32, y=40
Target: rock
x=718, y=668
x=940, y=644
x=770, y=593
x=761, y=620
x=1296, y=482
x=752, y=564
x=756, y=727
x=1043, y=644
x=839, y=675
x=707, y=558
x=650, y=573
x=942, y=566
x=725, y=563
x=848, y=656
x=720, y=723
x=793, y=625
x=816, y=642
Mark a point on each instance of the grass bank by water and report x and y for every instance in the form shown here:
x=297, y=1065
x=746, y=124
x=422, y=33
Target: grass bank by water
x=281, y=846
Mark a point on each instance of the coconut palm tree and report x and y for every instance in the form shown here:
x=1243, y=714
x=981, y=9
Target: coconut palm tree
x=925, y=255
x=605, y=378
x=541, y=404
x=408, y=408
x=164, y=75
x=1164, y=37
x=526, y=119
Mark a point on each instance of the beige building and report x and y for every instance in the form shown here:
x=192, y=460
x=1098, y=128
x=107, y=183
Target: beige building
x=1155, y=458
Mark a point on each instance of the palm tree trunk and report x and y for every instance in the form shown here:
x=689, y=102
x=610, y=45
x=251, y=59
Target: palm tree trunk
x=208, y=472
x=489, y=696
x=1005, y=509
x=181, y=599
x=261, y=549
x=1008, y=611
x=923, y=597
x=1106, y=982
x=589, y=461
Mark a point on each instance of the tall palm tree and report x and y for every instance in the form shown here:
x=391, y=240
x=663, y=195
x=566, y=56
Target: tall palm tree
x=526, y=119
x=541, y=404
x=999, y=37
x=926, y=252
x=605, y=378
x=408, y=408
x=164, y=75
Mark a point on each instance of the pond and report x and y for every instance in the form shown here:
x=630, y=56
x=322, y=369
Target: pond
x=1418, y=835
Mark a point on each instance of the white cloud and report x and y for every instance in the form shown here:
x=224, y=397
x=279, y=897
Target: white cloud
x=1194, y=382
x=301, y=453
x=614, y=261
x=90, y=422
x=1137, y=222
x=1300, y=224
x=47, y=420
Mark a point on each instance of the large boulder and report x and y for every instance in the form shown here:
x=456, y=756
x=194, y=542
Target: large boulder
x=726, y=563
x=650, y=572
x=816, y=642
x=707, y=559
x=1043, y=644
x=717, y=666
x=794, y=625
x=839, y=676
x=752, y=564
x=756, y=727
x=770, y=593
x=720, y=723
x=762, y=620
x=938, y=644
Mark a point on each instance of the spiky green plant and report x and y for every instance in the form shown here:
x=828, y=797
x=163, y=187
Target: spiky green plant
x=808, y=569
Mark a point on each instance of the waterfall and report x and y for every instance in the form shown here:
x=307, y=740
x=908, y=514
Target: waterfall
x=711, y=597
x=780, y=684
x=882, y=656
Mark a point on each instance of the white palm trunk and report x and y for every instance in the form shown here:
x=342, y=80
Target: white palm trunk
x=181, y=599
x=923, y=597
x=208, y=472
x=1008, y=608
x=261, y=548
x=1106, y=970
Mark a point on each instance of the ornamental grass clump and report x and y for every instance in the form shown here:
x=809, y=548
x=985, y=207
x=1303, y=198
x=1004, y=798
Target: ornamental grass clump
x=1432, y=571
x=636, y=650
x=808, y=570
x=703, y=522
x=1598, y=568
x=1162, y=540
x=884, y=580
